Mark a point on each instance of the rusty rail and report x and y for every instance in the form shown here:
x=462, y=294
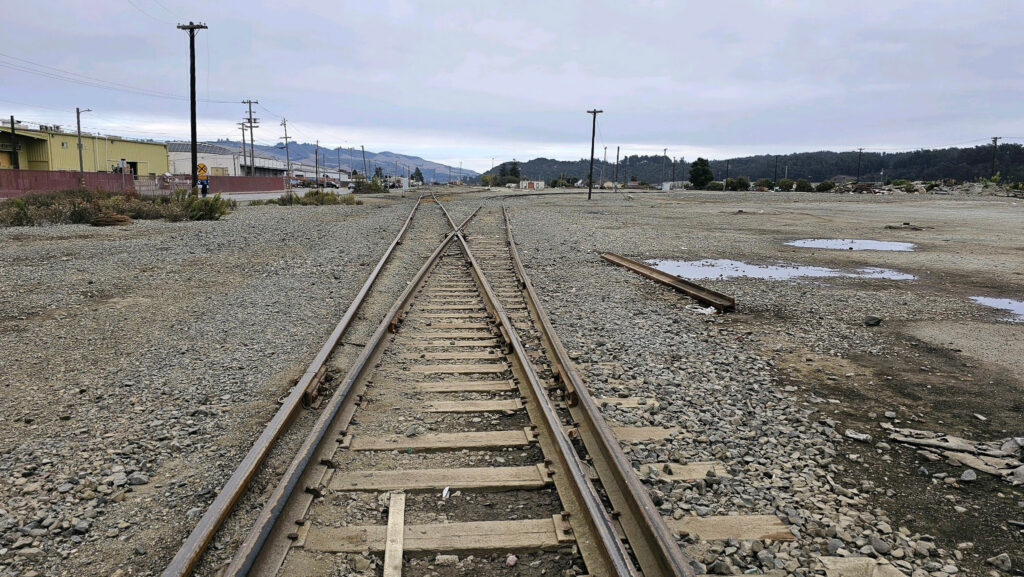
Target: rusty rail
x=192, y=549
x=653, y=544
x=720, y=301
x=248, y=552
x=599, y=526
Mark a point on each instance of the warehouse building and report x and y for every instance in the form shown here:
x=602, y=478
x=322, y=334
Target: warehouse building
x=50, y=148
x=222, y=160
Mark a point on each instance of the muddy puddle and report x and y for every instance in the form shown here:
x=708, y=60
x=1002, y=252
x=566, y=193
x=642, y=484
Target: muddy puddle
x=853, y=244
x=710, y=269
x=1015, y=308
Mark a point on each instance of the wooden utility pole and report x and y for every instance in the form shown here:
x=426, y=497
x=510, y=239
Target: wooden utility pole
x=253, y=123
x=244, y=155
x=775, y=177
x=665, y=154
x=365, y=175
x=316, y=161
x=81, y=163
x=593, y=133
x=287, y=155
x=193, y=28
x=14, y=146
x=995, y=145
x=860, y=152
x=616, y=178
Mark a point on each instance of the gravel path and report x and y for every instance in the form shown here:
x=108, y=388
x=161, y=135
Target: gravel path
x=140, y=362
x=712, y=378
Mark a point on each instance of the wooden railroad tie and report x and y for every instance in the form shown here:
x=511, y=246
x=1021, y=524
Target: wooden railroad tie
x=443, y=441
x=467, y=386
x=477, y=478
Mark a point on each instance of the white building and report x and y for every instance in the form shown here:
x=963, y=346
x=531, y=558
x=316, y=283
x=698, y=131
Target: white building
x=531, y=184
x=222, y=161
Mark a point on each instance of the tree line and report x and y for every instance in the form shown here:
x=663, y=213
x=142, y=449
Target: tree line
x=962, y=164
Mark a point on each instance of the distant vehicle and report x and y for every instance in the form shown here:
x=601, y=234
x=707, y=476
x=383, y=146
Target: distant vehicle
x=351, y=186
x=331, y=184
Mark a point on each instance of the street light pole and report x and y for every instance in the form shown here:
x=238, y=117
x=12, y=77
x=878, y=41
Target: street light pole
x=81, y=163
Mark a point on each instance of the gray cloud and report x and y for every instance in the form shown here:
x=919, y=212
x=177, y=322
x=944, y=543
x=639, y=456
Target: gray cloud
x=455, y=80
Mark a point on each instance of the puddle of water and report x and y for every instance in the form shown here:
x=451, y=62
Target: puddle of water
x=723, y=268
x=853, y=244
x=1016, y=308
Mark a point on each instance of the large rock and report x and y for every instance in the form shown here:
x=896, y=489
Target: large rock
x=1001, y=562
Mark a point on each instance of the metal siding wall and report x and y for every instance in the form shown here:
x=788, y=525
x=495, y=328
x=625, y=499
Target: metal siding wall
x=64, y=157
x=151, y=157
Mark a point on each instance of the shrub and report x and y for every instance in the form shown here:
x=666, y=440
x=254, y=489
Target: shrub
x=314, y=197
x=368, y=187
x=804, y=185
x=825, y=186
x=714, y=185
x=740, y=183
x=785, y=184
x=84, y=206
x=765, y=183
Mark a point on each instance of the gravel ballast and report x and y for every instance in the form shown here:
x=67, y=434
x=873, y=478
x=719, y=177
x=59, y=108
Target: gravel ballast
x=140, y=362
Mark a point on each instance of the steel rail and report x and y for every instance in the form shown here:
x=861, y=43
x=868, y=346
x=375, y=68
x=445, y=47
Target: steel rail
x=720, y=301
x=188, y=555
x=653, y=543
x=614, y=557
x=248, y=552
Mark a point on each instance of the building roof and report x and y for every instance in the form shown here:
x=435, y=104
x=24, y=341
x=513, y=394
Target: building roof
x=201, y=147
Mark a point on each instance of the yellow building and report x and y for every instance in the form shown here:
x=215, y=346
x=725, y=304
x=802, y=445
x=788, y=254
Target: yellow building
x=49, y=148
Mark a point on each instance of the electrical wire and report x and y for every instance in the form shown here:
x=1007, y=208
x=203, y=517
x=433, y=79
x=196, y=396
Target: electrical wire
x=73, y=77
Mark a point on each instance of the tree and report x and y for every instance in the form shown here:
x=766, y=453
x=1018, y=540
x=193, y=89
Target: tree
x=825, y=186
x=378, y=172
x=417, y=175
x=785, y=184
x=502, y=170
x=700, y=173
x=804, y=185
x=765, y=183
x=513, y=171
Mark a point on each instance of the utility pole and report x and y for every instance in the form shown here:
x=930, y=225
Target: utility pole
x=775, y=177
x=351, y=160
x=244, y=155
x=665, y=154
x=316, y=160
x=193, y=28
x=460, y=172
x=14, y=146
x=616, y=177
x=673, y=171
x=593, y=133
x=860, y=152
x=726, y=174
x=252, y=135
x=287, y=154
x=81, y=164
x=365, y=175
x=995, y=144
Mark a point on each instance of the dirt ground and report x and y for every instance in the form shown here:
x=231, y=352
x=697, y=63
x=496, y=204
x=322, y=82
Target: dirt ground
x=936, y=360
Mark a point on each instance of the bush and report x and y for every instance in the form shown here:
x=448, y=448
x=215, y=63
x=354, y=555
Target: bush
x=84, y=206
x=740, y=183
x=804, y=185
x=314, y=197
x=785, y=184
x=368, y=187
x=765, y=183
x=825, y=186
x=700, y=173
x=714, y=185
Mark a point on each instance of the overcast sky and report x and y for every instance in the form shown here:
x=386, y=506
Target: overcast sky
x=469, y=81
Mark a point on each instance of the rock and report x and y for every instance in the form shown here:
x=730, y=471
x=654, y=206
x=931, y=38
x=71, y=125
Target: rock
x=968, y=476
x=120, y=479
x=861, y=437
x=880, y=546
x=872, y=321
x=1017, y=476
x=446, y=560
x=1001, y=562
x=412, y=431
x=720, y=567
x=137, y=478
x=511, y=560
x=833, y=546
x=362, y=563
x=890, y=415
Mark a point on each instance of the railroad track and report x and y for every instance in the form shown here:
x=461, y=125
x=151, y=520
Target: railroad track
x=461, y=429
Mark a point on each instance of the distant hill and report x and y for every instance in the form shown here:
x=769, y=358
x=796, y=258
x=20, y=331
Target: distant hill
x=306, y=153
x=963, y=164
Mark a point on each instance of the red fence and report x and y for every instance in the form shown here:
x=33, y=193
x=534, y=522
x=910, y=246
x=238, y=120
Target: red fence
x=20, y=182
x=14, y=183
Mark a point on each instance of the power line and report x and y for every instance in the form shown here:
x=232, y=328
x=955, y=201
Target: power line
x=75, y=78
